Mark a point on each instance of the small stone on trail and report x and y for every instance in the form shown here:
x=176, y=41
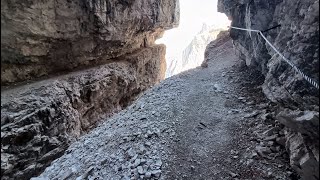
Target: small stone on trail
x=263, y=150
x=140, y=170
x=270, y=132
x=217, y=87
x=148, y=144
x=253, y=114
x=158, y=163
x=281, y=141
x=134, y=158
x=234, y=152
x=233, y=174
x=156, y=173
x=39, y=178
x=149, y=133
x=136, y=163
x=250, y=103
x=131, y=153
x=253, y=154
x=270, y=138
x=142, y=149
x=148, y=175
x=265, y=116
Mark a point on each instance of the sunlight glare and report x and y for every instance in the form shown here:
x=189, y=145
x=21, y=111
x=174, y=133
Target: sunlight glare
x=193, y=14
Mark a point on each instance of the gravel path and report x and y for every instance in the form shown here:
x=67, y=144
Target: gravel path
x=190, y=126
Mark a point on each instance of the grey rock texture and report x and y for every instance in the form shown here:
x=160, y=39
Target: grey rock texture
x=302, y=141
x=221, y=38
x=40, y=120
x=305, y=122
x=297, y=39
x=304, y=155
x=178, y=129
x=40, y=38
x=94, y=58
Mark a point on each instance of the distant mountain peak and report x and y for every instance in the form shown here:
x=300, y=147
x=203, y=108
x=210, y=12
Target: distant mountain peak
x=205, y=27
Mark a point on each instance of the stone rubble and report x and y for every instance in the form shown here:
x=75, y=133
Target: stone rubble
x=136, y=144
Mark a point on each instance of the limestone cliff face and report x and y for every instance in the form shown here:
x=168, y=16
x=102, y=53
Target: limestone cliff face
x=99, y=55
x=297, y=38
x=40, y=38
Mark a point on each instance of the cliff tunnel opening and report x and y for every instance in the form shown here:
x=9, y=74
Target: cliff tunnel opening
x=200, y=23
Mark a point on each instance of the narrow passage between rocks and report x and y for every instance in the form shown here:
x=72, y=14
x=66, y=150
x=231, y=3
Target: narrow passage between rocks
x=195, y=125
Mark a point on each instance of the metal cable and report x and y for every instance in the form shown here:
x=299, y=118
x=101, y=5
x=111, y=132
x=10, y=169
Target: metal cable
x=312, y=82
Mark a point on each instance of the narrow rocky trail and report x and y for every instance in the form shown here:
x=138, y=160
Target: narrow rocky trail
x=205, y=130
x=195, y=125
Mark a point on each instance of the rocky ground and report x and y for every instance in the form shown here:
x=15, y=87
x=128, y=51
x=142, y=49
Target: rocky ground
x=205, y=123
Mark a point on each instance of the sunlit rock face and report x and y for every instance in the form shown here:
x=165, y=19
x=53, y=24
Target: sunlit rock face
x=99, y=55
x=297, y=39
x=193, y=55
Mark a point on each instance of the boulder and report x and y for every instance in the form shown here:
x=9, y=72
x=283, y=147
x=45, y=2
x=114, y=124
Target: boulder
x=304, y=122
x=304, y=157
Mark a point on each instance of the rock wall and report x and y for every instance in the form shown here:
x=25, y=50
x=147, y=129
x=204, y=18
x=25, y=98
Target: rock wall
x=297, y=38
x=221, y=38
x=40, y=38
x=94, y=58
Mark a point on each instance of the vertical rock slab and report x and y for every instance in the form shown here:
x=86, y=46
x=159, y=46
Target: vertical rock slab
x=297, y=39
x=75, y=63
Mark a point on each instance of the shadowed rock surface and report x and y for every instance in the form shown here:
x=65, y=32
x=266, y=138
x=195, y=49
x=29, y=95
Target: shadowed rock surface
x=38, y=121
x=40, y=38
x=97, y=57
x=297, y=39
x=196, y=125
x=94, y=58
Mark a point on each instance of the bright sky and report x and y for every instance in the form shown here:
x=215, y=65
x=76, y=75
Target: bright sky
x=193, y=13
